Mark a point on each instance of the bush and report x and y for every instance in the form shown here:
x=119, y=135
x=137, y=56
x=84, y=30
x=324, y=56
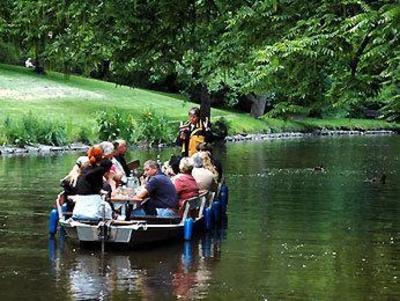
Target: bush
x=9, y=54
x=155, y=128
x=151, y=127
x=390, y=98
x=15, y=133
x=113, y=125
x=84, y=135
x=286, y=110
x=31, y=130
x=391, y=111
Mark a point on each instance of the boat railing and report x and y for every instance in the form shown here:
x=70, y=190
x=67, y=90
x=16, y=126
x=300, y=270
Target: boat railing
x=210, y=198
x=195, y=203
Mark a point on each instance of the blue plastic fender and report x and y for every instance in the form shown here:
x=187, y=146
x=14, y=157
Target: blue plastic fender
x=188, y=228
x=53, y=221
x=208, y=218
x=216, y=207
x=224, y=195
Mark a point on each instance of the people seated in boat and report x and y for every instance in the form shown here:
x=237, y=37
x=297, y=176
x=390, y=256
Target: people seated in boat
x=207, y=164
x=89, y=205
x=205, y=178
x=193, y=133
x=185, y=185
x=159, y=190
x=116, y=175
x=69, y=182
x=171, y=167
x=121, y=147
x=206, y=147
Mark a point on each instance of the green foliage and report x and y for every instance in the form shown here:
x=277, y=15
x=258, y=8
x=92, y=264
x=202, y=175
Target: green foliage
x=32, y=130
x=150, y=127
x=326, y=55
x=84, y=135
x=155, y=128
x=391, y=111
x=113, y=125
x=15, y=133
x=286, y=110
x=9, y=53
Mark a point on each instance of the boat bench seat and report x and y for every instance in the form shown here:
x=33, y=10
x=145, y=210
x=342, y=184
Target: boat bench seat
x=88, y=221
x=151, y=219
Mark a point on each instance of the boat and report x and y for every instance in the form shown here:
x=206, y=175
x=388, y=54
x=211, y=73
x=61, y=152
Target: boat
x=198, y=214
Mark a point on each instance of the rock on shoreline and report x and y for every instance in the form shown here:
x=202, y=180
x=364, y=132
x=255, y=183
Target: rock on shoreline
x=42, y=149
x=297, y=135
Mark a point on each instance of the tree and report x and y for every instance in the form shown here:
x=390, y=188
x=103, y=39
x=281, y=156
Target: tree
x=323, y=56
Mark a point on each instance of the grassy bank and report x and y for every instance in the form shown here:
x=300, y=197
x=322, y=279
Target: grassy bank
x=75, y=102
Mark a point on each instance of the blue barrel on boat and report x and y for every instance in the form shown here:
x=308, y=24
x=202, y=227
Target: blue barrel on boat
x=188, y=228
x=224, y=197
x=208, y=218
x=53, y=221
x=216, y=208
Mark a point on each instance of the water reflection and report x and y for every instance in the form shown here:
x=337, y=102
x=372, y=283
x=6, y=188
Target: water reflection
x=182, y=270
x=294, y=234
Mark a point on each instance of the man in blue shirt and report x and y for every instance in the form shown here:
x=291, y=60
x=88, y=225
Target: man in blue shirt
x=160, y=191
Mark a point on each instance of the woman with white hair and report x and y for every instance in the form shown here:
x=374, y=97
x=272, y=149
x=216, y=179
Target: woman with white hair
x=116, y=175
x=185, y=185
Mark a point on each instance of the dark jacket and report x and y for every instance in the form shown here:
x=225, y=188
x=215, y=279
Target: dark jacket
x=91, y=180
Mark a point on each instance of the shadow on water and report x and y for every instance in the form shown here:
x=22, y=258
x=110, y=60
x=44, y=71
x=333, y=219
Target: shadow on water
x=178, y=270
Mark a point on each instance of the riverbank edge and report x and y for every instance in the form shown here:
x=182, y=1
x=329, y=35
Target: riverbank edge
x=79, y=147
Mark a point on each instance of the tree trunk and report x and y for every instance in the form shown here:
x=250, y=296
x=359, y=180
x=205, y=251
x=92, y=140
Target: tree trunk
x=205, y=103
x=39, y=68
x=258, y=103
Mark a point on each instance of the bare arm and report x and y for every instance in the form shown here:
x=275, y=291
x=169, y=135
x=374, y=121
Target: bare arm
x=141, y=195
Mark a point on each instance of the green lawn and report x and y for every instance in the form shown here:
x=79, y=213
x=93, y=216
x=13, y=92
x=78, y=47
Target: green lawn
x=79, y=99
x=76, y=101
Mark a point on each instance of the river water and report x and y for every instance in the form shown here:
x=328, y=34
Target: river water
x=292, y=233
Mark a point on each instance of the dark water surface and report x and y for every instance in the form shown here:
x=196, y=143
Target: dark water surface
x=292, y=233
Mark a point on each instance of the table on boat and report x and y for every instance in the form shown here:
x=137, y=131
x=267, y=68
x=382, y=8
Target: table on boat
x=124, y=196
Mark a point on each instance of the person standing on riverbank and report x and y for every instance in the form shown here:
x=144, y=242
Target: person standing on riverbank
x=192, y=133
